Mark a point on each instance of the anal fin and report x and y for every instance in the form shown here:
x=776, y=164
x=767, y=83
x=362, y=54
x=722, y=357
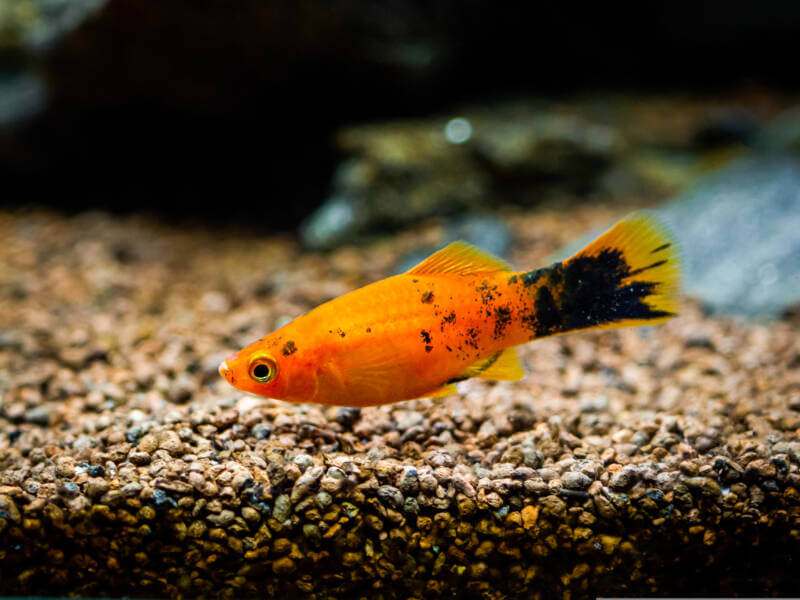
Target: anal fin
x=500, y=366
x=446, y=390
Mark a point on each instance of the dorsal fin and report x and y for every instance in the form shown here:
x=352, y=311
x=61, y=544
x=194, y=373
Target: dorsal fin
x=460, y=258
x=500, y=366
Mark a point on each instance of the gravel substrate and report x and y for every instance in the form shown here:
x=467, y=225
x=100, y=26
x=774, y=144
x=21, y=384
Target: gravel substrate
x=657, y=460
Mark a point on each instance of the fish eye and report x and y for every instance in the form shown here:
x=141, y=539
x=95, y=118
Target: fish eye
x=263, y=369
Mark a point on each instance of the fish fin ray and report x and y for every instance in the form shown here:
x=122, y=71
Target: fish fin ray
x=628, y=276
x=654, y=258
x=507, y=367
x=500, y=366
x=369, y=372
x=460, y=258
x=446, y=390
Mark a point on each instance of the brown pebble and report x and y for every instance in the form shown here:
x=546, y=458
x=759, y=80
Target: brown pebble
x=250, y=515
x=575, y=481
x=761, y=469
x=705, y=485
x=148, y=443
x=222, y=519
x=530, y=515
x=624, y=478
x=170, y=441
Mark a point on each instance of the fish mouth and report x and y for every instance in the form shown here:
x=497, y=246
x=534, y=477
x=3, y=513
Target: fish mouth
x=224, y=370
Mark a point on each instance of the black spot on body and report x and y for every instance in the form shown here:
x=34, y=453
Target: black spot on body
x=471, y=336
x=369, y=330
x=426, y=336
x=502, y=319
x=449, y=318
x=289, y=348
x=531, y=277
x=427, y=297
x=340, y=332
x=428, y=348
x=486, y=292
x=528, y=319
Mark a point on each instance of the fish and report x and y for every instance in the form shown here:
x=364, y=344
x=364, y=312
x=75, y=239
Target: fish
x=458, y=315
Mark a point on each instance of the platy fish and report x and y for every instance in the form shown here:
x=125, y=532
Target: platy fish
x=457, y=315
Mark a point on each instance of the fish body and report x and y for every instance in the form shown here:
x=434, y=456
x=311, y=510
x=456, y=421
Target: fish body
x=458, y=315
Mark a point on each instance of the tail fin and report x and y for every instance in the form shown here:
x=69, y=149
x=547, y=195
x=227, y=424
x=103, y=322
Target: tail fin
x=628, y=276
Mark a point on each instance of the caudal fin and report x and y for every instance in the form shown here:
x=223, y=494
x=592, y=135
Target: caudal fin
x=628, y=276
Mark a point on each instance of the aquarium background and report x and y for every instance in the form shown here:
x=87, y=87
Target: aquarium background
x=176, y=107
x=178, y=179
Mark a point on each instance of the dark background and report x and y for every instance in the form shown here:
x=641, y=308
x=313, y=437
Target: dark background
x=225, y=110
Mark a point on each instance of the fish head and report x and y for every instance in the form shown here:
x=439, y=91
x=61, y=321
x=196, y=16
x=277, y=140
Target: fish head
x=273, y=368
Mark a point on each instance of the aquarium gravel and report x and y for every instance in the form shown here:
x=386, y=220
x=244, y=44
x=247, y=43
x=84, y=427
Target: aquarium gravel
x=657, y=460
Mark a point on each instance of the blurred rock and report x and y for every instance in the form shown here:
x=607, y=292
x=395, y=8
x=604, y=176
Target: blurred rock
x=401, y=172
x=524, y=153
x=397, y=174
x=38, y=24
x=29, y=28
x=739, y=231
x=22, y=95
x=734, y=125
x=782, y=134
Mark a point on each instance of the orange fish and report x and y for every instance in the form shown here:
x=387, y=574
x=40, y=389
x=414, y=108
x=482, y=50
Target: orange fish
x=457, y=315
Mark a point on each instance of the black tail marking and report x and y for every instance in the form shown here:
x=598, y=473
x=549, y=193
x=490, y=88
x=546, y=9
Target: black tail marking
x=587, y=291
x=647, y=268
